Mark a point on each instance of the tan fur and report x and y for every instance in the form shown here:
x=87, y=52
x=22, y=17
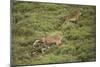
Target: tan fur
x=55, y=39
x=73, y=17
x=44, y=42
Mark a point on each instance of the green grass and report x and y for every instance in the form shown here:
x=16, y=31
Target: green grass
x=31, y=21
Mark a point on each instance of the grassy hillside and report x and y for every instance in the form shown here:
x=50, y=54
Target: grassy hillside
x=33, y=20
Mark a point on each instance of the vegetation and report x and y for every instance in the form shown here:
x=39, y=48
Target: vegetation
x=30, y=21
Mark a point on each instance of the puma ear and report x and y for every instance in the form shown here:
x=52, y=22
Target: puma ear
x=43, y=39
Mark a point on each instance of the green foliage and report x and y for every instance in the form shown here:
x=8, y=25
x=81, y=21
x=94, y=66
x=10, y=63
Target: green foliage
x=51, y=58
x=31, y=21
x=66, y=49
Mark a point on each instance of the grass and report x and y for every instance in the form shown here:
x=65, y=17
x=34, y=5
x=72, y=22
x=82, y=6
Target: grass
x=31, y=21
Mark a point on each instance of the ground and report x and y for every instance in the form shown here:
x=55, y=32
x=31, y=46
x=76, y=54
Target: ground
x=31, y=20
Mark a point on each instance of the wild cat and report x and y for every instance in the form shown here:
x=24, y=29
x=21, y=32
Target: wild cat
x=47, y=41
x=73, y=17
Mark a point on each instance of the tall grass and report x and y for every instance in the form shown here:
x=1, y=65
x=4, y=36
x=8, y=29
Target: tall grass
x=31, y=21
